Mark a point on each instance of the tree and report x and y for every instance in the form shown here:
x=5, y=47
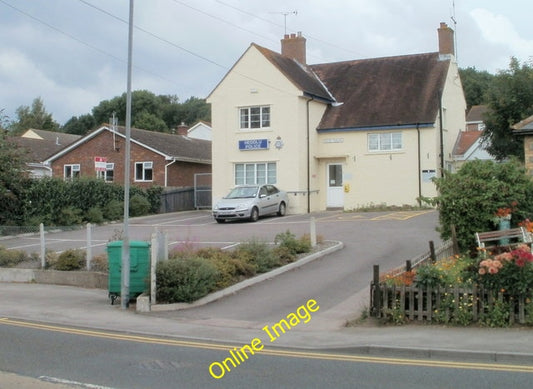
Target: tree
x=4, y=120
x=34, y=117
x=510, y=99
x=475, y=85
x=79, y=125
x=13, y=180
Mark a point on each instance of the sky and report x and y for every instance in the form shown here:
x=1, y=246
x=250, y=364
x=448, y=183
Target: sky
x=73, y=54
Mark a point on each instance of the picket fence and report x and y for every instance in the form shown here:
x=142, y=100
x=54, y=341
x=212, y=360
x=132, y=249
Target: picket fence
x=430, y=304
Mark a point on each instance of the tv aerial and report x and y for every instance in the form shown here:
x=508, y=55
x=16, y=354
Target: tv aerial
x=285, y=14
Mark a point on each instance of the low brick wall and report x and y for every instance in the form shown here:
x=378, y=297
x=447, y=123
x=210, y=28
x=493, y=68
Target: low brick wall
x=82, y=279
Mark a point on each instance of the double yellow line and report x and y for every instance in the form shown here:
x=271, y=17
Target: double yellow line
x=272, y=352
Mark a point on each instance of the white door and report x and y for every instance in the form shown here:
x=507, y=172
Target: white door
x=335, y=195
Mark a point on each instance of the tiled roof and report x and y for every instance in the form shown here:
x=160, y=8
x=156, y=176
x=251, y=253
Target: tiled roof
x=302, y=76
x=50, y=143
x=179, y=147
x=380, y=92
x=465, y=140
x=476, y=113
x=524, y=127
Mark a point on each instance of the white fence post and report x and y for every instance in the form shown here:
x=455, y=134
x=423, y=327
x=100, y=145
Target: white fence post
x=313, y=232
x=89, y=246
x=43, y=246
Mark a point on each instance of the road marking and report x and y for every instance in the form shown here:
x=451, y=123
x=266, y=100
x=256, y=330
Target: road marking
x=55, y=380
x=402, y=215
x=274, y=352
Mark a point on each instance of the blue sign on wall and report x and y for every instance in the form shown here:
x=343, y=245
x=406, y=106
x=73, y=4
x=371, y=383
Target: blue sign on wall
x=253, y=144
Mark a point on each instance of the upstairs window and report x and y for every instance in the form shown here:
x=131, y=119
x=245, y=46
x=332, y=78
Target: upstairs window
x=254, y=117
x=385, y=141
x=143, y=171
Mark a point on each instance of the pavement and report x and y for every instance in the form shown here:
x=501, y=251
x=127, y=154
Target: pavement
x=325, y=332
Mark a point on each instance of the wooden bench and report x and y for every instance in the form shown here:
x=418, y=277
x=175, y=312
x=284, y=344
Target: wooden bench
x=519, y=233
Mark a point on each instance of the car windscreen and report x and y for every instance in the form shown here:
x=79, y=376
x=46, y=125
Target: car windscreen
x=242, y=193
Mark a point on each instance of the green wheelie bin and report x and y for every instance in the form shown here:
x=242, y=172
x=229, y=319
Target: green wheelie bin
x=139, y=268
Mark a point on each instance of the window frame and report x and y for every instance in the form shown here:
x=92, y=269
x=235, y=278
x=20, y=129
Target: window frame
x=376, y=142
x=145, y=167
x=246, y=118
x=255, y=173
x=105, y=175
x=75, y=171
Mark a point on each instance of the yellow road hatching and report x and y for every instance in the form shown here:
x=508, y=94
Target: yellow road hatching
x=399, y=215
x=273, y=352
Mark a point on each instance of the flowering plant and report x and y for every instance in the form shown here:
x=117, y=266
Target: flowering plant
x=527, y=224
x=510, y=271
x=505, y=212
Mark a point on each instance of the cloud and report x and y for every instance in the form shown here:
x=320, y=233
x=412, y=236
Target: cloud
x=498, y=30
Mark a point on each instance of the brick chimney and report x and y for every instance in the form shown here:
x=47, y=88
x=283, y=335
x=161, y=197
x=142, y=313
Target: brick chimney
x=293, y=46
x=446, y=43
x=182, y=129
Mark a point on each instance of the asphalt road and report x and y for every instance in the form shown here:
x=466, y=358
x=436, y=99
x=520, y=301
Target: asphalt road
x=386, y=238
x=97, y=359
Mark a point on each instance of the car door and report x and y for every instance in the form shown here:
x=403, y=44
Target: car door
x=263, y=200
x=273, y=198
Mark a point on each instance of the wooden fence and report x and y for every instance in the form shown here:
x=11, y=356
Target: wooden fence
x=184, y=199
x=445, y=304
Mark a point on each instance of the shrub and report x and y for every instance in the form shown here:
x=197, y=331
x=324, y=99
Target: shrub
x=258, y=254
x=113, y=210
x=94, y=215
x=10, y=258
x=69, y=216
x=73, y=259
x=100, y=263
x=295, y=246
x=469, y=198
x=184, y=280
x=139, y=205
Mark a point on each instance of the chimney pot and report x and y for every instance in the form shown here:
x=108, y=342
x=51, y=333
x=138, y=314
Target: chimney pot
x=294, y=47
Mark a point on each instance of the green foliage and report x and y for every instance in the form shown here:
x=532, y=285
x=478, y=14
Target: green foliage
x=294, y=246
x=34, y=117
x=73, y=259
x=114, y=210
x=94, y=215
x=469, y=198
x=496, y=315
x=475, y=85
x=139, y=205
x=258, y=254
x=10, y=258
x=69, y=216
x=510, y=100
x=452, y=312
x=429, y=276
x=185, y=280
x=79, y=125
x=13, y=182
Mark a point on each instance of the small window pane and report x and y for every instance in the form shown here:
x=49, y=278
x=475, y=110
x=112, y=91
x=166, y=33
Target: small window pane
x=385, y=141
x=373, y=142
x=265, y=120
x=244, y=118
x=239, y=174
x=255, y=117
x=261, y=173
x=396, y=140
x=250, y=174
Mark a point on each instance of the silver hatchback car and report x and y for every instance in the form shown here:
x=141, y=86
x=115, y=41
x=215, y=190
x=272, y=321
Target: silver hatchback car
x=251, y=202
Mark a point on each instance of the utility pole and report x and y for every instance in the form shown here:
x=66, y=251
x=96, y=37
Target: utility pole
x=125, y=286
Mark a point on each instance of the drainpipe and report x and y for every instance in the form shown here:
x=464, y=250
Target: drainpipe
x=419, y=166
x=441, y=136
x=166, y=171
x=308, y=159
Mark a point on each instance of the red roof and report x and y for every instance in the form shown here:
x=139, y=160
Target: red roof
x=465, y=140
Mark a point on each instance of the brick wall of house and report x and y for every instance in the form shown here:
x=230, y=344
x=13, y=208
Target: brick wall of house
x=103, y=145
x=182, y=173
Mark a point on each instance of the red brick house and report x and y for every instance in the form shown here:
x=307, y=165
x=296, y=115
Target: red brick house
x=157, y=159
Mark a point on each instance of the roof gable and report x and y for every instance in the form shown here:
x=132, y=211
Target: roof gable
x=171, y=146
x=383, y=91
x=476, y=113
x=300, y=75
x=465, y=141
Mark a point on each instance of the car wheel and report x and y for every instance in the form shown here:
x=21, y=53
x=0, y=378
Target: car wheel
x=282, y=209
x=220, y=220
x=254, y=215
